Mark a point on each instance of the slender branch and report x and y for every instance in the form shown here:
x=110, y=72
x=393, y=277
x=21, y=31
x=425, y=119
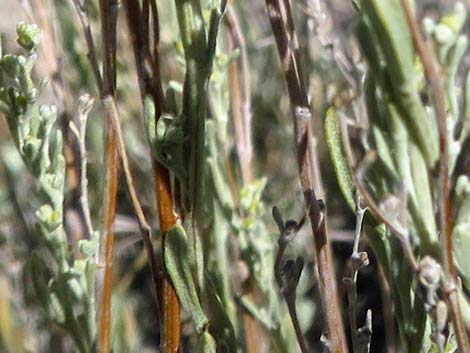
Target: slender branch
x=107, y=241
x=108, y=14
x=240, y=95
x=288, y=52
x=246, y=81
x=150, y=85
x=240, y=102
x=114, y=148
x=145, y=228
x=92, y=57
x=235, y=102
x=434, y=79
x=296, y=324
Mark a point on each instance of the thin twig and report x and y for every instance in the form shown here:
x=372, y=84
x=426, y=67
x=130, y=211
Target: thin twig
x=356, y=261
x=145, y=228
x=289, y=55
x=92, y=56
x=433, y=77
x=359, y=182
x=297, y=329
x=85, y=103
x=397, y=229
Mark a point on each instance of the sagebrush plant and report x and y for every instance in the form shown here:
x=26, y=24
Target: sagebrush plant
x=64, y=285
x=207, y=124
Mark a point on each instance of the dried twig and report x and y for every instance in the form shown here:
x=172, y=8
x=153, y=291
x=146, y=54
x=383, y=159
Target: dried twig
x=434, y=79
x=287, y=46
x=85, y=104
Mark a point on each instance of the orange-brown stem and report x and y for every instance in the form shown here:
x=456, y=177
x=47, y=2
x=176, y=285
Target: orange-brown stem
x=111, y=174
x=171, y=332
x=148, y=72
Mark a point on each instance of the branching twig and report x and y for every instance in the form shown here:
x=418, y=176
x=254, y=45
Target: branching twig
x=433, y=77
x=287, y=47
x=290, y=271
